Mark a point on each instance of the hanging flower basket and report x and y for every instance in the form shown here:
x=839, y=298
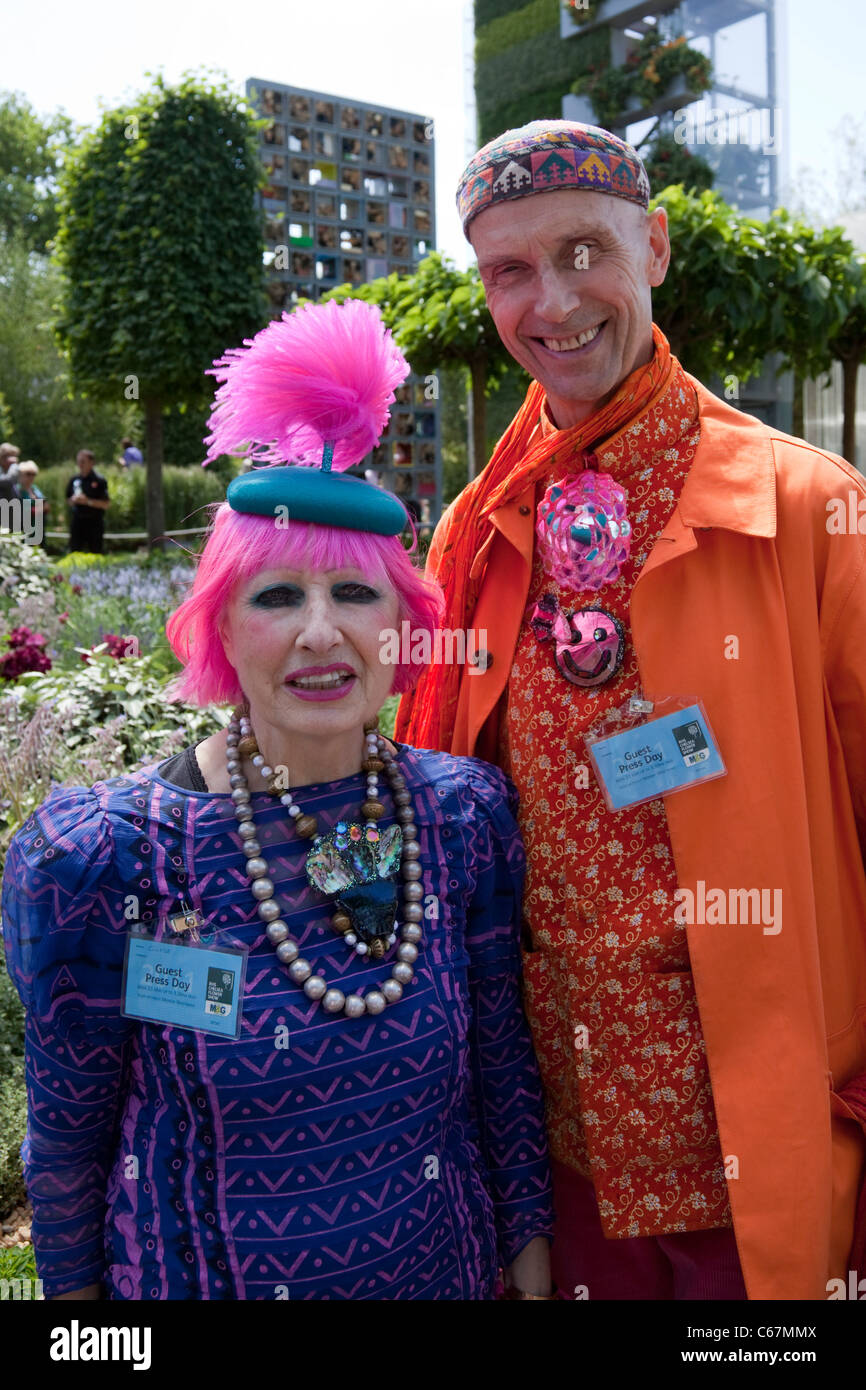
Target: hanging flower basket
x=656, y=73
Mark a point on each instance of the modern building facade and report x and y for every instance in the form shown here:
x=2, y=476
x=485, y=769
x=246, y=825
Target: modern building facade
x=350, y=197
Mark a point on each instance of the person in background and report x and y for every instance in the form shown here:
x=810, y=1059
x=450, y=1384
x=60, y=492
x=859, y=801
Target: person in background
x=132, y=456
x=27, y=491
x=87, y=494
x=8, y=470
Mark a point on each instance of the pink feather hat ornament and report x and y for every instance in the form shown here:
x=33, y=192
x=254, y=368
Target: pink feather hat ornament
x=313, y=389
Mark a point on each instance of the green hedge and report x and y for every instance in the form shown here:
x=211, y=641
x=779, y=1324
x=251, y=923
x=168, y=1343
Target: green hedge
x=537, y=17
x=519, y=77
x=487, y=10
x=13, y=1100
x=185, y=490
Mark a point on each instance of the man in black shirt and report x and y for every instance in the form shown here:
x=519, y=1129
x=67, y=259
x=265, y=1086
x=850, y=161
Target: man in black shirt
x=88, y=498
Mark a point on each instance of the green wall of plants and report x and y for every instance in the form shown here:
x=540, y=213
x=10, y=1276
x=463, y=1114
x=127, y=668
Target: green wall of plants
x=487, y=10
x=523, y=68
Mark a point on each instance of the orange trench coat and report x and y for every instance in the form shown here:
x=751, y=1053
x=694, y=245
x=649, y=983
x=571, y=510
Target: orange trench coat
x=748, y=554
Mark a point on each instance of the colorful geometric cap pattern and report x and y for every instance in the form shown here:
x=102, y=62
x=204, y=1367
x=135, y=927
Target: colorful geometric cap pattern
x=546, y=155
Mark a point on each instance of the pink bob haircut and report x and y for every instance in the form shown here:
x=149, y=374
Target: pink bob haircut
x=240, y=546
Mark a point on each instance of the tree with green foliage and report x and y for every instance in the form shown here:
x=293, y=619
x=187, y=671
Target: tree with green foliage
x=161, y=247
x=48, y=421
x=439, y=317
x=31, y=154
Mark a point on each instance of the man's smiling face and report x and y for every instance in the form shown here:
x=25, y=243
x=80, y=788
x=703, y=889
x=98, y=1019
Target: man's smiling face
x=568, y=278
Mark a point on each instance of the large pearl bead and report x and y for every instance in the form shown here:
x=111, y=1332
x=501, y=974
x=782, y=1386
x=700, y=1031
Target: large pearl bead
x=407, y=952
x=412, y=892
x=300, y=970
x=411, y=849
x=247, y=831
x=269, y=910
x=392, y=990
x=410, y=830
x=262, y=888
x=276, y=932
x=333, y=1001
x=375, y=1001
x=355, y=1006
x=240, y=795
x=411, y=871
x=252, y=849
x=244, y=813
x=411, y=932
x=257, y=868
x=402, y=798
x=402, y=972
x=413, y=913
x=315, y=987
x=287, y=951
x=236, y=779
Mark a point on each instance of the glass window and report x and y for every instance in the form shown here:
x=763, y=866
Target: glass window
x=375, y=123
x=302, y=263
x=272, y=102
x=301, y=233
x=299, y=108
x=299, y=169
x=275, y=192
x=421, y=247
x=425, y=424
x=403, y=394
x=299, y=201
x=398, y=127
x=350, y=208
x=376, y=213
x=398, y=188
x=353, y=270
x=350, y=181
x=421, y=191
x=376, y=267
x=326, y=205
x=426, y=454
x=326, y=143
x=325, y=112
x=299, y=140
x=275, y=166
x=323, y=173
x=299, y=292
x=326, y=267
x=277, y=290
x=404, y=423
x=351, y=147
x=327, y=238
x=400, y=484
x=375, y=186
x=425, y=484
x=375, y=152
x=419, y=131
x=402, y=454
x=351, y=239
x=350, y=119
x=399, y=268
x=377, y=243
x=421, y=162
x=275, y=227
x=275, y=133
x=397, y=216
x=422, y=220
x=398, y=157
x=400, y=247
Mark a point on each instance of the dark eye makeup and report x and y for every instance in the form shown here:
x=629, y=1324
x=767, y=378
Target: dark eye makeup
x=291, y=595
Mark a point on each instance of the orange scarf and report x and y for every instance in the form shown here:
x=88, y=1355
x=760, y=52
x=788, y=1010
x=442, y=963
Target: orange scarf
x=426, y=716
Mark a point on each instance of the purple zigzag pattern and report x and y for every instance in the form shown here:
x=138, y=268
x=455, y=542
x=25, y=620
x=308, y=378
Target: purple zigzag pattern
x=401, y=1157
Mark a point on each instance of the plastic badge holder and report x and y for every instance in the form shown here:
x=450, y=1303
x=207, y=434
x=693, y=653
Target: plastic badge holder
x=184, y=984
x=644, y=751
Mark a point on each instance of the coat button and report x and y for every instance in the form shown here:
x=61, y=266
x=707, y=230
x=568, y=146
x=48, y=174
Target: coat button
x=482, y=659
x=524, y=511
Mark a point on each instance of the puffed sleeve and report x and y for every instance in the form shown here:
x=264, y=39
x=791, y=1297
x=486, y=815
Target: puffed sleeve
x=509, y=1098
x=64, y=950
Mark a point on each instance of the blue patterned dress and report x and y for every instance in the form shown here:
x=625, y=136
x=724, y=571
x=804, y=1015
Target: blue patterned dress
x=393, y=1157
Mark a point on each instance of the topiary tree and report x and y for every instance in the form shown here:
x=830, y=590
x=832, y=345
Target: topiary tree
x=31, y=153
x=161, y=248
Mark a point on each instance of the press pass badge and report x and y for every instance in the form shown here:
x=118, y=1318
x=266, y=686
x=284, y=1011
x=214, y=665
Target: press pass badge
x=184, y=984
x=654, y=756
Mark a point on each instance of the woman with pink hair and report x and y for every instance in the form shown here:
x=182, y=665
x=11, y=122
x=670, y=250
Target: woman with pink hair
x=275, y=1037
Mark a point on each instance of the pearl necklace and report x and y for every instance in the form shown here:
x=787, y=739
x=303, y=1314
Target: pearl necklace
x=240, y=740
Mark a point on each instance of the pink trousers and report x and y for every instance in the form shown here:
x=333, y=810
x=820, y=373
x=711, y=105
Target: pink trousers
x=692, y=1265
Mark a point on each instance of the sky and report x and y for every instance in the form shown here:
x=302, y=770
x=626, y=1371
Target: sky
x=410, y=54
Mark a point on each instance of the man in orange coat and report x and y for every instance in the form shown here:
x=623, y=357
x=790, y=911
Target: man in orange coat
x=651, y=566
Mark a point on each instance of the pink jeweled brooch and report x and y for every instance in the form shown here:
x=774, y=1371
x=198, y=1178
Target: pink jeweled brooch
x=583, y=531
